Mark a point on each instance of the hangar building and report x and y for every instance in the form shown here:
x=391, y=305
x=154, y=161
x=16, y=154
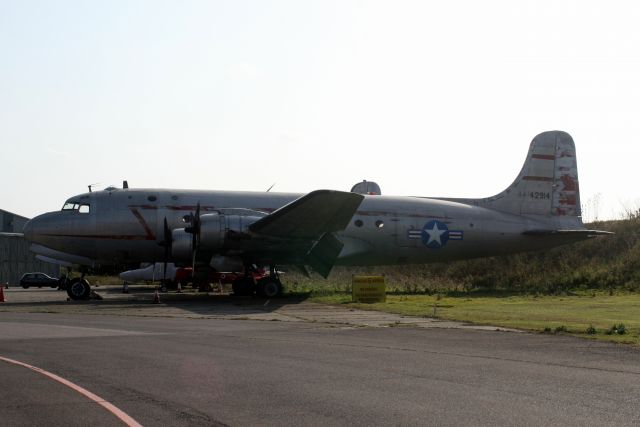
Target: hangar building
x=15, y=256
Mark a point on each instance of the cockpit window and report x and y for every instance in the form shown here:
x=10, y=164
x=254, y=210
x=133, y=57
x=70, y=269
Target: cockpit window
x=73, y=206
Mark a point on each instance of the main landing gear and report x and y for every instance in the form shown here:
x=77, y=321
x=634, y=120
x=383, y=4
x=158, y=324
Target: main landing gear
x=267, y=287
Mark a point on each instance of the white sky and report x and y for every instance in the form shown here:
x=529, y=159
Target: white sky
x=426, y=98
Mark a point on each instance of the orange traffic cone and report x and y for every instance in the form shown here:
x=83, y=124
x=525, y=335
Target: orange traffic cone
x=156, y=297
x=2, y=293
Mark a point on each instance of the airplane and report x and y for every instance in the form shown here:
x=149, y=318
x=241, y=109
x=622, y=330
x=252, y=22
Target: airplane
x=232, y=231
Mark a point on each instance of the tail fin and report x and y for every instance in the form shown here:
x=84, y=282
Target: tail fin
x=548, y=182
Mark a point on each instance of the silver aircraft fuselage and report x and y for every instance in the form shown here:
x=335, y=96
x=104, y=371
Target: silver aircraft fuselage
x=125, y=225
x=540, y=209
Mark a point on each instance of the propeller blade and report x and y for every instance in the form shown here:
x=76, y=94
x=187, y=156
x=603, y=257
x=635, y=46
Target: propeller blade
x=195, y=240
x=164, y=271
x=167, y=240
x=195, y=225
x=193, y=265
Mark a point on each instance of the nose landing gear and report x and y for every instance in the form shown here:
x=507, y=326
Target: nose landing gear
x=79, y=289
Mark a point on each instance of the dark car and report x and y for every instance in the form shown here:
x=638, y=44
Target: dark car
x=38, y=279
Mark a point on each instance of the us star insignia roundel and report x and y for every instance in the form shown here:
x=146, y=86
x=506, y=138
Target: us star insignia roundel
x=435, y=234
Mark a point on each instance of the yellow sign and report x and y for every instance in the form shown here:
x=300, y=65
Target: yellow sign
x=368, y=289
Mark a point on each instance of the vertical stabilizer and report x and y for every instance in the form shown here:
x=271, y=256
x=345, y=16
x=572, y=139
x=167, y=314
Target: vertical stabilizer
x=547, y=184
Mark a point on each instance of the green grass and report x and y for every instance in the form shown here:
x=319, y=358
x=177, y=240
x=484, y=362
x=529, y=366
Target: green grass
x=535, y=313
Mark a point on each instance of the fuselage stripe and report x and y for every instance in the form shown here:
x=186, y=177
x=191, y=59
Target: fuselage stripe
x=543, y=156
x=144, y=224
x=538, y=178
x=101, y=236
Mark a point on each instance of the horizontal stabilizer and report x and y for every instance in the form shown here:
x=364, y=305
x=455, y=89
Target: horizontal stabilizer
x=586, y=233
x=310, y=216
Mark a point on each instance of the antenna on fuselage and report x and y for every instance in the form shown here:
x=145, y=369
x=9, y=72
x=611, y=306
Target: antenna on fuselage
x=92, y=185
x=125, y=184
x=269, y=189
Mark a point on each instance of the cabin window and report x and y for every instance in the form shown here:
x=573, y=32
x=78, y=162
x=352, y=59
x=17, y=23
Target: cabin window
x=358, y=223
x=379, y=223
x=152, y=198
x=73, y=206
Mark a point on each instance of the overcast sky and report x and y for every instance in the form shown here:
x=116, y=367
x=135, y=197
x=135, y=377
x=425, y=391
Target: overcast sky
x=426, y=98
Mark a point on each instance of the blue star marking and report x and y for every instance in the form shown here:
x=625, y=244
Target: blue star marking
x=435, y=234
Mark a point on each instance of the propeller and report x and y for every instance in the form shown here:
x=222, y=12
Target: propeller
x=167, y=240
x=194, y=229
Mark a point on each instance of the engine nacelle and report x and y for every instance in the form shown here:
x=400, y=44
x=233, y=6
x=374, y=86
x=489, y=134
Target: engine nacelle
x=214, y=232
x=181, y=247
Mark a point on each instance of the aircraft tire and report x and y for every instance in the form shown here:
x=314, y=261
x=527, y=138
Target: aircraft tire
x=78, y=289
x=269, y=288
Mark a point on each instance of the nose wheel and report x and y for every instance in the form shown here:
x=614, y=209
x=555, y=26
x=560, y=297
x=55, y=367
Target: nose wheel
x=79, y=289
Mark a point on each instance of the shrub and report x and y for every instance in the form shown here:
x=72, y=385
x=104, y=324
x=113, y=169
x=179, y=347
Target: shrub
x=617, y=329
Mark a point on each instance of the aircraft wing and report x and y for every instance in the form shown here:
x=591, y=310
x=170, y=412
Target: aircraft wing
x=310, y=216
x=301, y=233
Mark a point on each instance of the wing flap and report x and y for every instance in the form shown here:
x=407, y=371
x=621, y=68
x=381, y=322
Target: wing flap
x=324, y=254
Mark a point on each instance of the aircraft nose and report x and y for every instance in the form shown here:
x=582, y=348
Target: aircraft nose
x=34, y=228
x=28, y=230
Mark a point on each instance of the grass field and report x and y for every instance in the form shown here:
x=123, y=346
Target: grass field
x=558, y=314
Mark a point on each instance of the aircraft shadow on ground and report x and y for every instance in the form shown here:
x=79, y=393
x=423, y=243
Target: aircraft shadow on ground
x=141, y=300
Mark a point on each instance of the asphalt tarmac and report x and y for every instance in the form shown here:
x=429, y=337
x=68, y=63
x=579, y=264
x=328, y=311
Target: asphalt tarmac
x=226, y=370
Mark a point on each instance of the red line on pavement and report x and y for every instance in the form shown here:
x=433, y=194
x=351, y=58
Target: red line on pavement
x=86, y=393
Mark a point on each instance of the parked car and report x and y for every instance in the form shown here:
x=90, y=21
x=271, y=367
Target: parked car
x=39, y=280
